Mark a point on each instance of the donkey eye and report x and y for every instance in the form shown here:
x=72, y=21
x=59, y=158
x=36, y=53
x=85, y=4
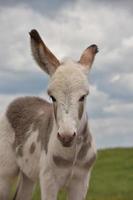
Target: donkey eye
x=53, y=98
x=82, y=98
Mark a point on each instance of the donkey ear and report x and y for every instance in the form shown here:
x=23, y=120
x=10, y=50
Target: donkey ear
x=42, y=55
x=88, y=56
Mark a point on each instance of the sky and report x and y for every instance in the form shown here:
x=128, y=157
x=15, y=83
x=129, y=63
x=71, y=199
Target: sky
x=67, y=28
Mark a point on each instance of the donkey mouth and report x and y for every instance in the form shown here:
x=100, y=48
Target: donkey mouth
x=66, y=140
x=67, y=144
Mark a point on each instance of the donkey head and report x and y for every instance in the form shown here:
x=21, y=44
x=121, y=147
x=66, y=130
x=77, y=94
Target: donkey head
x=68, y=87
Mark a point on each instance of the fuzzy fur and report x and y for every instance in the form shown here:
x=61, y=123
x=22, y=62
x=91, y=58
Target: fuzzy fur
x=28, y=134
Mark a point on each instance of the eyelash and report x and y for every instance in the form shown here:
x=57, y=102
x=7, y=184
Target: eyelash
x=53, y=98
x=82, y=98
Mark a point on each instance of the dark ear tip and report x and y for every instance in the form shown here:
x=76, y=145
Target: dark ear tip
x=35, y=35
x=94, y=48
x=33, y=32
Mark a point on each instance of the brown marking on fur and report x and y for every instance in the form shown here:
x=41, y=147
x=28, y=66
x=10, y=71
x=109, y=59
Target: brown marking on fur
x=62, y=162
x=24, y=112
x=90, y=162
x=83, y=151
x=44, y=125
x=43, y=56
x=20, y=151
x=87, y=138
x=81, y=109
x=88, y=55
x=32, y=148
x=55, y=111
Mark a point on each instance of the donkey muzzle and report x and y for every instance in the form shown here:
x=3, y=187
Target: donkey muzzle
x=65, y=139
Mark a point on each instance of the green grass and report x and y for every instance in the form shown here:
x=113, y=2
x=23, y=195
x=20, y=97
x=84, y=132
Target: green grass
x=112, y=176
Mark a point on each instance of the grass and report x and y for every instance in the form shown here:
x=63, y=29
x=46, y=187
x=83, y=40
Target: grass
x=112, y=176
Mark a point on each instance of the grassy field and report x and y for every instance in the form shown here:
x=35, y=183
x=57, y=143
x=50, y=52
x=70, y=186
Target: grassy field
x=112, y=176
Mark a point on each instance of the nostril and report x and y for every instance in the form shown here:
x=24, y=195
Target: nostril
x=66, y=139
x=61, y=137
x=58, y=135
x=74, y=135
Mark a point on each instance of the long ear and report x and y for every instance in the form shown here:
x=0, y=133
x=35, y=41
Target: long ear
x=88, y=56
x=42, y=55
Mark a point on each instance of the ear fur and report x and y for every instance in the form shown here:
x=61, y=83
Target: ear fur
x=42, y=55
x=88, y=56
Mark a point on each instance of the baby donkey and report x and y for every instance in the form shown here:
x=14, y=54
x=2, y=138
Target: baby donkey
x=49, y=141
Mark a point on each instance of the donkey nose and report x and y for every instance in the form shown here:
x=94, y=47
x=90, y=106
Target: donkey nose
x=66, y=139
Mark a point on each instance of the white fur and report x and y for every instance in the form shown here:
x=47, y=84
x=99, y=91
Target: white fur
x=29, y=162
x=8, y=165
x=67, y=85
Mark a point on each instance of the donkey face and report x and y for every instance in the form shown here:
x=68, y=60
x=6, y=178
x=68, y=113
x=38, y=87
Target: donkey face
x=68, y=87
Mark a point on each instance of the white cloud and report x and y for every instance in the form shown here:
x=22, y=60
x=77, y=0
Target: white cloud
x=73, y=28
x=120, y=109
x=116, y=131
x=124, y=83
x=97, y=100
x=128, y=42
x=115, y=78
x=4, y=101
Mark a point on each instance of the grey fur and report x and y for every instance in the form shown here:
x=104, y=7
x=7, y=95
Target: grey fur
x=55, y=111
x=24, y=188
x=90, y=162
x=84, y=149
x=32, y=148
x=44, y=125
x=24, y=112
x=81, y=109
x=19, y=151
x=62, y=162
x=87, y=139
x=42, y=55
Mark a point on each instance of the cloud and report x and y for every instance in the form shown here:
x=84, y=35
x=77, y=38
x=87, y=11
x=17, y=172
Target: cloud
x=24, y=82
x=97, y=100
x=5, y=99
x=48, y=7
x=113, y=4
x=115, y=131
x=120, y=109
x=68, y=28
x=110, y=119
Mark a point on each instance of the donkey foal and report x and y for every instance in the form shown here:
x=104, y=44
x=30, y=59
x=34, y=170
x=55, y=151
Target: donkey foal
x=51, y=142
